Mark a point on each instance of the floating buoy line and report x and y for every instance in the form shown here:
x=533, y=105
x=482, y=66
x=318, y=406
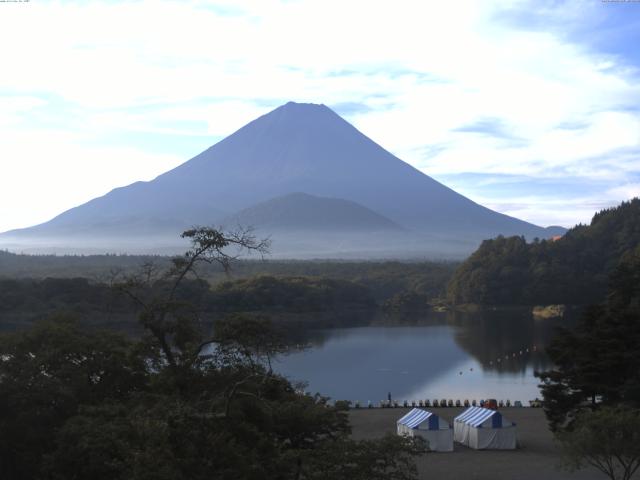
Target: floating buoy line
x=441, y=403
x=444, y=403
x=499, y=361
x=502, y=359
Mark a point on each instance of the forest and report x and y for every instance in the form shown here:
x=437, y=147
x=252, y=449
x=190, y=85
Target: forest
x=571, y=270
x=24, y=301
x=181, y=400
x=34, y=287
x=383, y=278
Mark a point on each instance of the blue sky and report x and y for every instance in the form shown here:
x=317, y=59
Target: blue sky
x=531, y=108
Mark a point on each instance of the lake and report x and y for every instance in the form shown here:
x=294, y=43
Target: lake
x=451, y=355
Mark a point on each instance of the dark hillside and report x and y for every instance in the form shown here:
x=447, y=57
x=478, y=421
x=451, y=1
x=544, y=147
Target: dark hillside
x=571, y=270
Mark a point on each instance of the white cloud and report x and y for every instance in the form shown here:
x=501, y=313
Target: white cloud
x=58, y=172
x=547, y=211
x=626, y=191
x=425, y=69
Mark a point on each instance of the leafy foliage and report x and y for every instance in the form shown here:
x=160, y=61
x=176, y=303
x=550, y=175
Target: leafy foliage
x=571, y=270
x=363, y=287
x=23, y=301
x=598, y=363
x=407, y=302
x=179, y=403
x=289, y=293
x=46, y=374
x=607, y=439
x=382, y=279
x=390, y=458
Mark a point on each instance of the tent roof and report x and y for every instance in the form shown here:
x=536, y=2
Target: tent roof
x=476, y=416
x=415, y=417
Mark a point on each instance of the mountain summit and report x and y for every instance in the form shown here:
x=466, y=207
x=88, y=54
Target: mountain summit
x=295, y=148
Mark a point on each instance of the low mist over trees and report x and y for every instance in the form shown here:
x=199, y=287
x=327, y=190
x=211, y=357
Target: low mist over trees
x=571, y=270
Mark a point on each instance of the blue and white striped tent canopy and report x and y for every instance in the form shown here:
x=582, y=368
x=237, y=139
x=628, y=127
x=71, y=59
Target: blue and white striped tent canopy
x=429, y=426
x=476, y=416
x=481, y=428
x=417, y=417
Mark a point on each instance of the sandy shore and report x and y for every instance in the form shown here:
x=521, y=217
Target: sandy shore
x=536, y=459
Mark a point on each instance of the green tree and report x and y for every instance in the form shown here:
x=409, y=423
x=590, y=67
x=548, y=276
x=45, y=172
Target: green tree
x=571, y=270
x=607, y=439
x=598, y=362
x=181, y=403
x=173, y=324
x=390, y=458
x=46, y=375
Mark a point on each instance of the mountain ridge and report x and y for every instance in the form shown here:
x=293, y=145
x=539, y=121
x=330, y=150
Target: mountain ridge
x=301, y=211
x=294, y=148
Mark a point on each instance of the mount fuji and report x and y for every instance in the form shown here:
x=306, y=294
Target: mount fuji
x=301, y=174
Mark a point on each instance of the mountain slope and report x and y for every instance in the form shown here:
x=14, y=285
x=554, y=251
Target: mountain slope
x=295, y=148
x=300, y=211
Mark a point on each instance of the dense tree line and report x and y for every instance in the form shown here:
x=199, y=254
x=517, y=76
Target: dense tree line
x=96, y=267
x=407, y=302
x=592, y=395
x=571, y=270
x=26, y=300
x=50, y=294
x=302, y=294
x=598, y=362
x=302, y=287
x=383, y=279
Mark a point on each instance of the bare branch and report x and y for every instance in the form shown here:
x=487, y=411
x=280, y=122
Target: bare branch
x=155, y=291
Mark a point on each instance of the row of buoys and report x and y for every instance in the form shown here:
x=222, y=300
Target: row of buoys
x=436, y=403
x=517, y=354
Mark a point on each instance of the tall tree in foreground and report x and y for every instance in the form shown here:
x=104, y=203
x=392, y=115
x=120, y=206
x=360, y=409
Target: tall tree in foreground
x=182, y=403
x=607, y=439
x=168, y=316
x=598, y=363
x=592, y=396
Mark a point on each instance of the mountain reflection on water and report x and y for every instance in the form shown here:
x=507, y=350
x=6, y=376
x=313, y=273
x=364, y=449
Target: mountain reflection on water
x=450, y=355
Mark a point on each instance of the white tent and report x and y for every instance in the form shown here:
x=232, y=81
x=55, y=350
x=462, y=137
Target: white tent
x=429, y=426
x=481, y=428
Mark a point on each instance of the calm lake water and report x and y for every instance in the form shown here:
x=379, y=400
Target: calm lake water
x=418, y=356
x=452, y=355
